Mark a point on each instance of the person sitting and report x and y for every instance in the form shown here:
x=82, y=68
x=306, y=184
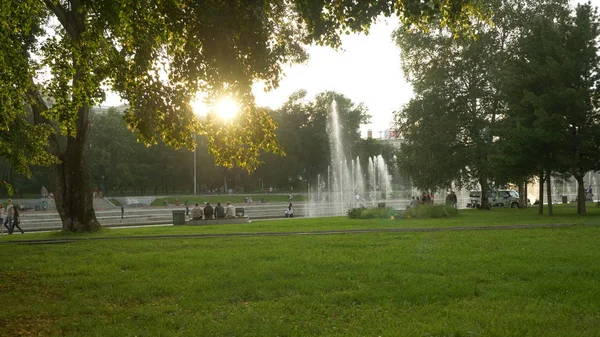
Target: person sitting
x=197, y=212
x=229, y=211
x=219, y=211
x=208, y=211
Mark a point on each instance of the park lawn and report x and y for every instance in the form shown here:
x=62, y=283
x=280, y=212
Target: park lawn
x=235, y=199
x=524, y=282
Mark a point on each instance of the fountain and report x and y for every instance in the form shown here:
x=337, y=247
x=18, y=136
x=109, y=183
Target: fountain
x=346, y=186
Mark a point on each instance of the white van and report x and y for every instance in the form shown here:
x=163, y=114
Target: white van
x=499, y=198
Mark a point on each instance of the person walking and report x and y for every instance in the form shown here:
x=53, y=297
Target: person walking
x=9, y=215
x=290, y=211
x=454, y=200
x=1, y=219
x=16, y=221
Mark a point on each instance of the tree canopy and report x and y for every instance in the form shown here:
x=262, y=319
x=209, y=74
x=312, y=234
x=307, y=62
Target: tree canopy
x=156, y=54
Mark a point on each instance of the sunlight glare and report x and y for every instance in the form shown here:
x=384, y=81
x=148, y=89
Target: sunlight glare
x=226, y=108
x=198, y=107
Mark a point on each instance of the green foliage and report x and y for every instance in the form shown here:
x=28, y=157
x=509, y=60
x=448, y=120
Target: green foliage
x=149, y=53
x=431, y=211
x=551, y=92
x=373, y=213
x=9, y=188
x=128, y=46
x=446, y=126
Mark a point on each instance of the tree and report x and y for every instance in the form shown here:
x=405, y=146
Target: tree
x=156, y=54
x=553, y=95
x=447, y=126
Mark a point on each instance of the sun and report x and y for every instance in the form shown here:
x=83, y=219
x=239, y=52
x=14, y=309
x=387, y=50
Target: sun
x=226, y=108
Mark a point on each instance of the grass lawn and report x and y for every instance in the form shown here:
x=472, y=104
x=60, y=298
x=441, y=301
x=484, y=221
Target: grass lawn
x=235, y=198
x=523, y=282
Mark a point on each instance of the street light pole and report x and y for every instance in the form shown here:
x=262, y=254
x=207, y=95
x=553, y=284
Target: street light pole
x=195, y=163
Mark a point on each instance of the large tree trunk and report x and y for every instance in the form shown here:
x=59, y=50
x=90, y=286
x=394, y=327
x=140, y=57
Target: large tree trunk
x=549, y=193
x=541, y=194
x=70, y=181
x=485, y=188
x=522, y=194
x=525, y=196
x=580, y=195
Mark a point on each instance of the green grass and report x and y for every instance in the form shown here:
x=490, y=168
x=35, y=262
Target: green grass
x=527, y=282
x=235, y=199
x=533, y=282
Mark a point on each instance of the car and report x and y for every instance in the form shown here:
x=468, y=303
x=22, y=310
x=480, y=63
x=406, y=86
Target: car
x=496, y=198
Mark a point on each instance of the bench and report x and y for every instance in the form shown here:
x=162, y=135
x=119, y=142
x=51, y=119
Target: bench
x=224, y=221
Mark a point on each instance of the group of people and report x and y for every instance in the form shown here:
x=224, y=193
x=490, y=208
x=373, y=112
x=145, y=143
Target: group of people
x=425, y=199
x=12, y=219
x=208, y=212
x=428, y=199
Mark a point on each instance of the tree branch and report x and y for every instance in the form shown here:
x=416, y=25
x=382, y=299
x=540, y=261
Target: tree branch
x=38, y=105
x=63, y=16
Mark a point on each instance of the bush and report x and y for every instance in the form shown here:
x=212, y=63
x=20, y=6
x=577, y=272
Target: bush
x=431, y=211
x=373, y=213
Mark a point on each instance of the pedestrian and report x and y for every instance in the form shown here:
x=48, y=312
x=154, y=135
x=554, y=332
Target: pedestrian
x=290, y=211
x=9, y=215
x=16, y=221
x=1, y=219
x=414, y=203
x=454, y=200
x=122, y=211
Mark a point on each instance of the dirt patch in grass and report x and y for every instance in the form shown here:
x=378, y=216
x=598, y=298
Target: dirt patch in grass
x=27, y=325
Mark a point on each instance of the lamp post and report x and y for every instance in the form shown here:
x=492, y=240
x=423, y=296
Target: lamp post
x=195, y=163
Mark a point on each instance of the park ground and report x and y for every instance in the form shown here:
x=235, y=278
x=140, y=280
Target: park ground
x=199, y=281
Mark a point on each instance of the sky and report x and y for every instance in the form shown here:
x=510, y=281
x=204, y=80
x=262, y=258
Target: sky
x=367, y=70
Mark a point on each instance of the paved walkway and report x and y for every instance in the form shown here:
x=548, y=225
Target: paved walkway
x=329, y=232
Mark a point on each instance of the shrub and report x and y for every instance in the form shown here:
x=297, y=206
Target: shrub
x=431, y=211
x=373, y=213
